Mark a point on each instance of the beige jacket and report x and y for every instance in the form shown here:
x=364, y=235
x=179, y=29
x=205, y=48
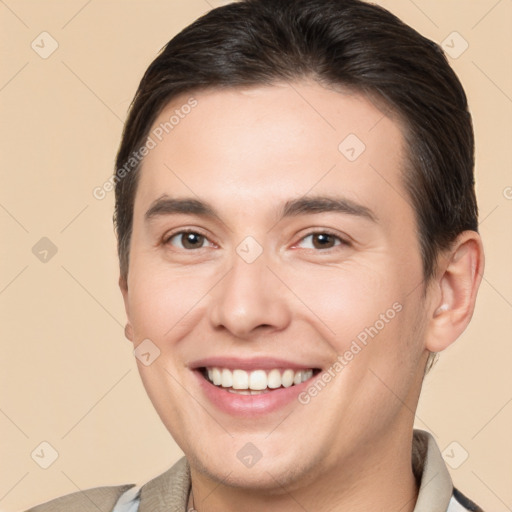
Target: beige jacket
x=169, y=491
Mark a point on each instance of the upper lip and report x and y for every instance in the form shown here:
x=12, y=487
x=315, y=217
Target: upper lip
x=252, y=363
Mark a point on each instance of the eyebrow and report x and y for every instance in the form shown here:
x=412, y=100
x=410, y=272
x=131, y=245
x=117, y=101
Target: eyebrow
x=166, y=205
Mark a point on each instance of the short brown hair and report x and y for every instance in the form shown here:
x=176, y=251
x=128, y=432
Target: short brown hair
x=347, y=43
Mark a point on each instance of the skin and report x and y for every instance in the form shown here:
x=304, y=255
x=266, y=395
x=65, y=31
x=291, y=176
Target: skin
x=246, y=152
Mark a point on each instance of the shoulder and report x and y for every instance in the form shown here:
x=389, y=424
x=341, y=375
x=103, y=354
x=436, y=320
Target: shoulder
x=93, y=500
x=168, y=490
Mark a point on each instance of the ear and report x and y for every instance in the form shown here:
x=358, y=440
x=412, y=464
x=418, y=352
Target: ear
x=128, y=330
x=456, y=286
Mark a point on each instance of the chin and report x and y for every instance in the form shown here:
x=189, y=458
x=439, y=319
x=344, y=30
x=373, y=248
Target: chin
x=268, y=473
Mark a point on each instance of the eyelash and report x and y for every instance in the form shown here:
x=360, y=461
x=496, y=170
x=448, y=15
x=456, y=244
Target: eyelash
x=342, y=241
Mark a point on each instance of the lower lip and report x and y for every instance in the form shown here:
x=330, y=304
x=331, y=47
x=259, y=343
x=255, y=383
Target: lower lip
x=250, y=405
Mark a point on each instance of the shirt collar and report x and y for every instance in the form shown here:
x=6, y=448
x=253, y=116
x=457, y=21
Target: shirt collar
x=436, y=485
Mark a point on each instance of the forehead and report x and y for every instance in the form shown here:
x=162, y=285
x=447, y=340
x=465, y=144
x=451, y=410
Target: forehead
x=247, y=149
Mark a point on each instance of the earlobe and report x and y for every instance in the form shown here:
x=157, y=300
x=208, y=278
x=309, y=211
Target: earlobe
x=458, y=283
x=128, y=332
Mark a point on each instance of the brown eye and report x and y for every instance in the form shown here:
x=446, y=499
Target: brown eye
x=187, y=240
x=323, y=240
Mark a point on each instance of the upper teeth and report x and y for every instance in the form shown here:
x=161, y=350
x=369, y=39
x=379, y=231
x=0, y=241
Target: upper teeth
x=257, y=379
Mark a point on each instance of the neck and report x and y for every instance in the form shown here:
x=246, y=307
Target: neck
x=374, y=478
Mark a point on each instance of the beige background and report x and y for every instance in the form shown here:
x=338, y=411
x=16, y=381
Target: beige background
x=67, y=374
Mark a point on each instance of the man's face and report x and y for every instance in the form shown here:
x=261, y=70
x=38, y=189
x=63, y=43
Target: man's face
x=273, y=288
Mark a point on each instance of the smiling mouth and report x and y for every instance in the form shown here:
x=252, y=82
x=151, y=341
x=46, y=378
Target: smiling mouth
x=256, y=382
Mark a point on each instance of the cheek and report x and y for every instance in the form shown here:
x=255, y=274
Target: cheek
x=369, y=320
x=347, y=302
x=164, y=302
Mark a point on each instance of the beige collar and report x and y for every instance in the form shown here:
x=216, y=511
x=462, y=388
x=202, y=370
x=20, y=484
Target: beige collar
x=436, y=486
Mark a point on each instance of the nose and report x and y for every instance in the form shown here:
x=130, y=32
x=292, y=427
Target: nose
x=250, y=299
